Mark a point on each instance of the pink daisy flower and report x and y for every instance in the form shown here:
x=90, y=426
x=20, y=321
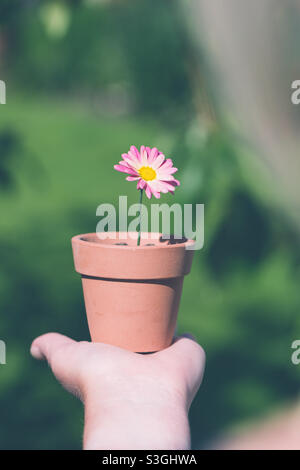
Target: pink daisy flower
x=149, y=167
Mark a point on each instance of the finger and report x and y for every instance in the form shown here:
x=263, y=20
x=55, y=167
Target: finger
x=62, y=357
x=46, y=345
x=189, y=350
x=190, y=358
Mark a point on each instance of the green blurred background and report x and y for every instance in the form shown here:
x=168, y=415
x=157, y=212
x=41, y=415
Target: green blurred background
x=85, y=80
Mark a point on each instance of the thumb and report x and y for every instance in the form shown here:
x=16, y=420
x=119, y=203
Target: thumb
x=190, y=357
x=61, y=356
x=46, y=345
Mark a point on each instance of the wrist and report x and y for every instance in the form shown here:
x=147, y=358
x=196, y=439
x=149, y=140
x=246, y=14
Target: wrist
x=135, y=424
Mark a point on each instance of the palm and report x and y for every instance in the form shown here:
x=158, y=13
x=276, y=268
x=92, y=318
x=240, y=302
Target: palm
x=176, y=371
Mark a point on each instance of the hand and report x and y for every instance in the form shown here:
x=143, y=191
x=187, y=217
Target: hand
x=132, y=401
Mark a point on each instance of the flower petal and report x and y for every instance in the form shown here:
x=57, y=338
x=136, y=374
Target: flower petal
x=158, y=161
x=123, y=163
x=167, y=164
x=125, y=169
x=131, y=159
x=141, y=184
x=152, y=155
x=170, y=185
x=144, y=158
x=164, y=181
x=164, y=175
x=135, y=151
x=148, y=191
x=154, y=188
x=132, y=178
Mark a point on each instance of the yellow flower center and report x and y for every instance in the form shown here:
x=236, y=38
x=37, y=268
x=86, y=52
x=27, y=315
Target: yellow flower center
x=147, y=173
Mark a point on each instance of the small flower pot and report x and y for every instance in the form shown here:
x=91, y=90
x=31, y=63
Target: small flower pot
x=131, y=292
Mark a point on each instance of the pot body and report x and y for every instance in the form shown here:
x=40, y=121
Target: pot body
x=139, y=316
x=131, y=293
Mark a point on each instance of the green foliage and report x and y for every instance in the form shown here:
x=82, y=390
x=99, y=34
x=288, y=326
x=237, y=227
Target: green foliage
x=240, y=302
x=58, y=47
x=62, y=173
x=155, y=52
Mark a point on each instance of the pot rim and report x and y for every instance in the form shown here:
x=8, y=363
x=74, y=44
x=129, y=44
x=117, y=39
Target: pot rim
x=79, y=239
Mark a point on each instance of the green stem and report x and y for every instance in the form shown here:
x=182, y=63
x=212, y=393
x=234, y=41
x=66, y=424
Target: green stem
x=140, y=219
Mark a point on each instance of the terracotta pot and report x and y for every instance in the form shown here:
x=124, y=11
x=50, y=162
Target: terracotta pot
x=131, y=292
